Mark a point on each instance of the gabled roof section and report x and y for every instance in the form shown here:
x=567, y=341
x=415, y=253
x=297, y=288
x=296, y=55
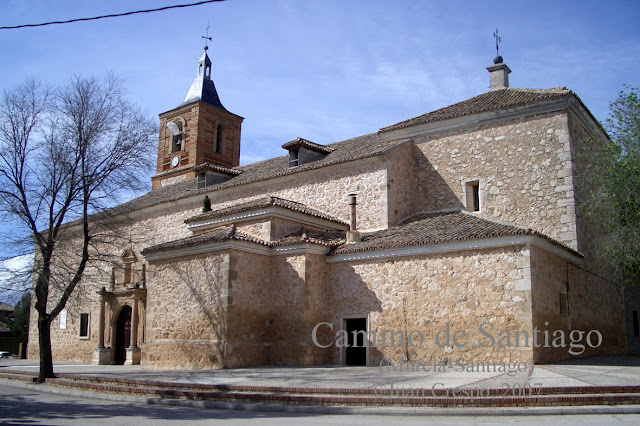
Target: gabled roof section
x=438, y=228
x=6, y=307
x=223, y=233
x=300, y=142
x=264, y=202
x=489, y=101
x=208, y=167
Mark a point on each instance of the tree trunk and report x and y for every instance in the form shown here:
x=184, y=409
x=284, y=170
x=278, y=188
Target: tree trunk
x=46, y=357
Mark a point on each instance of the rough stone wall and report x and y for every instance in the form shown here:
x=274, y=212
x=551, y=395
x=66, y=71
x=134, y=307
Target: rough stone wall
x=401, y=183
x=259, y=228
x=524, y=169
x=265, y=311
x=66, y=343
x=424, y=293
x=590, y=232
x=276, y=302
x=593, y=304
x=186, y=312
x=326, y=190
x=249, y=322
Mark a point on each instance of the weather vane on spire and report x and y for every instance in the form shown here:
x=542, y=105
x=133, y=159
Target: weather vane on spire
x=498, y=40
x=207, y=36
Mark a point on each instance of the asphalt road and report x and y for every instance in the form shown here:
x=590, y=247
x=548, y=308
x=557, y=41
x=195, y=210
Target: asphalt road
x=25, y=406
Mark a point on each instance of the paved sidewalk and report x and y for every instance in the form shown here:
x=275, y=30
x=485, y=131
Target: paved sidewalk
x=588, y=372
x=594, y=371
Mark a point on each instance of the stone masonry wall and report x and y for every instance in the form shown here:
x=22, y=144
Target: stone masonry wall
x=425, y=293
x=276, y=302
x=593, y=304
x=401, y=183
x=67, y=343
x=585, y=152
x=523, y=166
x=186, y=312
x=326, y=190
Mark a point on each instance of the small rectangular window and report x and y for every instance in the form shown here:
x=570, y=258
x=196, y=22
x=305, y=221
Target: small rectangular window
x=564, y=304
x=202, y=180
x=294, y=157
x=84, y=325
x=473, y=195
x=636, y=324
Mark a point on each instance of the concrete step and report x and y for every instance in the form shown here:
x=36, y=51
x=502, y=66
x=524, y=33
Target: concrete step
x=569, y=390
x=367, y=397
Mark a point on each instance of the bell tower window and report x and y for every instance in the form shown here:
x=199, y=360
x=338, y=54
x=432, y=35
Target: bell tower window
x=175, y=128
x=219, y=138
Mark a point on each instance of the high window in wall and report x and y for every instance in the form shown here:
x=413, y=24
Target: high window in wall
x=219, y=139
x=128, y=268
x=472, y=193
x=84, y=326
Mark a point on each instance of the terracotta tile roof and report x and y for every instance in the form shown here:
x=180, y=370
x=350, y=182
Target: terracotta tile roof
x=325, y=238
x=223, y=233
x=226, y=233
x=489, y=101
x=264, y=202
x=421, y=230
x=308, y=144
x=215, y=168
x=348, y=150
x=437, y=228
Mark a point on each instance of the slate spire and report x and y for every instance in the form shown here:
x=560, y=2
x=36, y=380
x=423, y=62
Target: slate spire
x=202, y=88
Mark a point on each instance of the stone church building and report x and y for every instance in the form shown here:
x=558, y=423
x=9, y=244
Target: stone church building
x=452, y=236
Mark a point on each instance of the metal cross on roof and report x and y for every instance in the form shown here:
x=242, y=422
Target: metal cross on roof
x=498, y=40
x=207, y=36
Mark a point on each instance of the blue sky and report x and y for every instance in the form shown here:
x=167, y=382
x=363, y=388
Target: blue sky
x=327, y=70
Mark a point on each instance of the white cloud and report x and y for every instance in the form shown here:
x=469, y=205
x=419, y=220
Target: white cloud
x=15, y=277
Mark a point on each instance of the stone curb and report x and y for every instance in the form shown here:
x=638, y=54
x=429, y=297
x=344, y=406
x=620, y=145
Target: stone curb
x=275, y=408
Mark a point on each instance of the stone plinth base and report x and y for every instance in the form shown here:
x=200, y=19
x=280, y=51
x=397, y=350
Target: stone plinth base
x=133, y=356
x=101, y=356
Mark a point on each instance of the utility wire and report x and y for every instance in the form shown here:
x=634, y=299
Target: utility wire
x=115, y=15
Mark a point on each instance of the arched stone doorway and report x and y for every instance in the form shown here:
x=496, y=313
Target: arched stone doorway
x=123, y=335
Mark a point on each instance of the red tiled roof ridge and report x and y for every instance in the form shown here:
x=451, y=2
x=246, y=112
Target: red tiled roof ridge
x=446, y=226
x=488, y=101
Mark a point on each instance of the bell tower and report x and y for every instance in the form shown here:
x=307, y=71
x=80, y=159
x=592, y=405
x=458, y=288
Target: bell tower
x=198, y=134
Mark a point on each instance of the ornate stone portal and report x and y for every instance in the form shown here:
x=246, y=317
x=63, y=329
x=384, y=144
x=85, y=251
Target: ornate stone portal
x=122, y=314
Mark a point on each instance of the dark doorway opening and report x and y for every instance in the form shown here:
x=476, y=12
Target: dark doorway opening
x=356, y=352
x=123, y=335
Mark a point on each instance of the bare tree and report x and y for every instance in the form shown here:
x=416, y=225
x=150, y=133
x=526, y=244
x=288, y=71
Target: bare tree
x=65, y=156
